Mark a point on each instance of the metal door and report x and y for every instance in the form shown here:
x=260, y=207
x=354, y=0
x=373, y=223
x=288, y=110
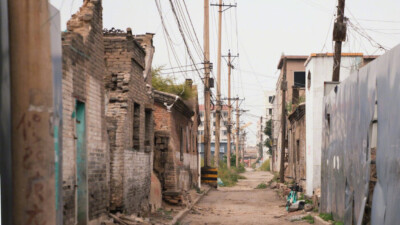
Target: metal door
x=81, y=165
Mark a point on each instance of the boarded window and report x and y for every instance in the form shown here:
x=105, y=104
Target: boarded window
x=136, y=126
x=300, y=79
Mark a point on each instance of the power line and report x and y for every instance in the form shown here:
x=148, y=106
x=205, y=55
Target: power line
x=184, y=39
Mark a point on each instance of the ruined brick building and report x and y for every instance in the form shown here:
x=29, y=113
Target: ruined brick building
x=176, y=158
x=297, y=145
x=108, y=130
x=129, y=116
x=85, y=163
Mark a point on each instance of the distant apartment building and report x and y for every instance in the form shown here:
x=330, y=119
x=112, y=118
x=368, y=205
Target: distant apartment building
x=223, y=135
x=269, y=104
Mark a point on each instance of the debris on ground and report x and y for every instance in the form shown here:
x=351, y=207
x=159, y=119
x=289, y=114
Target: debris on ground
x=128, y=220
x=299, y=205
x=308, y=207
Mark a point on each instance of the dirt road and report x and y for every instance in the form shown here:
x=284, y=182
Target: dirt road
x=241, y=204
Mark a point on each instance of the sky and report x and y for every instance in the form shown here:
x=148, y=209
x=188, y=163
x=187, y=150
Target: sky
x=260, y=31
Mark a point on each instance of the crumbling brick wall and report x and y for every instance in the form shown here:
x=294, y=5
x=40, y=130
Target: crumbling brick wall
x=129, y=119
x=176, y=170
x=297, y=146
x=83, y=71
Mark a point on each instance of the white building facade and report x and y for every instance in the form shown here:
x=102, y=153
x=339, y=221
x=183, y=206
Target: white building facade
x=319, y=69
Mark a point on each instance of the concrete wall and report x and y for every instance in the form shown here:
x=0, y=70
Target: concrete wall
x=320, y=68
x=131, y=134
x=83, y=71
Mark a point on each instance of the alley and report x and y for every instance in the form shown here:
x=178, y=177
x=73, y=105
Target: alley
x=241, y=204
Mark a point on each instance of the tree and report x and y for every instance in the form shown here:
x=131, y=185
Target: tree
x=268, y=128
x=169, y=85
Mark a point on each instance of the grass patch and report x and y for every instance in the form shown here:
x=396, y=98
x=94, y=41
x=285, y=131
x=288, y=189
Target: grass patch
x=265, y=166
x=326, y=216
x=338, y=223
x=261, y=186
x=309, y=219
x=230, y=176
x=241, y=177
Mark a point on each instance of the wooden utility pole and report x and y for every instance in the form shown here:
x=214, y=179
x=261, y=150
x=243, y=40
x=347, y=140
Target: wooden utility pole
x=219, y=103
x=229, y=110
x=237, y=133
x=219, y=106
x=261, y=137
x=283, y=123
x=339, y=35
x=207, y=102
x=33, y=141
x=229, y=125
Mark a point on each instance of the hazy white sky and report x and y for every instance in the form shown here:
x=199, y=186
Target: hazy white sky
x=266, y=29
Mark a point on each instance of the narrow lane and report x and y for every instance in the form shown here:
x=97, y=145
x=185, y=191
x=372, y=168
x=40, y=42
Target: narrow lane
x=241, y=204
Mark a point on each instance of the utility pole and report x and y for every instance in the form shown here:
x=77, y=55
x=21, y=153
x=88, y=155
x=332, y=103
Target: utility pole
x=33, y=139
x=219, y=105
x=237, y=133
x=218, y=109
x=207, y=103
x=229, y=110
x=283, y=123
x=229, y=126
x=261, y=137
x=339, y=35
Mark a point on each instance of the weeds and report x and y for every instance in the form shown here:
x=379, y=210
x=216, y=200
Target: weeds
x=229, y=176
x=265, y=166
x=326, y=216
x=261, y=186
x=309, y=219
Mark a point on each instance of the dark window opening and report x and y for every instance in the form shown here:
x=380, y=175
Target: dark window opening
x=147, y=131
x=181, y=144
x=299, y=79
x=309, y=80
x=270, y=111
x=298, y=150
x=136, y=126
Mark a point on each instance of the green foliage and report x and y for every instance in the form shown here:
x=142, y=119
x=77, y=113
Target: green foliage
x=265, y=166
x=338, y=223
x=268, y=128
x=301, y=99
x=289, y=108
x=230, y=176
x=309, y=219
x=326, y=216
x=168, y=84
x=275, y=178
x=261, y=186
x=268, y=144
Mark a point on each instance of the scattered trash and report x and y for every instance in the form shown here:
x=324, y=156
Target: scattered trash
x=220, y=183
